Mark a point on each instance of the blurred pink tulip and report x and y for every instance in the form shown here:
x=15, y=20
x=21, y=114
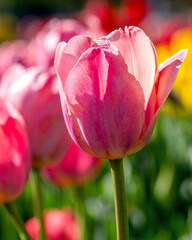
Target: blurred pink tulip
x=34, y=92
x=29, y=26
x=76, y=168
x=46, y=40
x=112, y=90
x=59, y=225
x=10, y=53
x=15, y=158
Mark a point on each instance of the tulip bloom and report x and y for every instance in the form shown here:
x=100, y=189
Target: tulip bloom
x=59, y=224
x=112, y=90
x=15, y=157
x=34, y=92
x=75, y=168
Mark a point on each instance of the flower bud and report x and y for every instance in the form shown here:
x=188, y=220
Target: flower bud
x=15, y=157
x=76, y=168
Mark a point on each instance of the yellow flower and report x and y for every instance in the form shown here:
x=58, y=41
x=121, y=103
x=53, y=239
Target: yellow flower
x=183, y=85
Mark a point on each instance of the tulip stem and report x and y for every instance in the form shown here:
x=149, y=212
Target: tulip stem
x=38, y=201
x=80, y=197
x=17, y=221
x=120, y=199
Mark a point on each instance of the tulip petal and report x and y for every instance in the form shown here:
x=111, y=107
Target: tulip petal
x=68, y=55
x=139, y=54
x=149, y=111
x=145, y=138
x=104, y=104
x=168, y=71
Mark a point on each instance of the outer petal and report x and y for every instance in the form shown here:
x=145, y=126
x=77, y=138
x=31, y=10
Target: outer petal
x=168, y=71
x=167, y=75
x=68, y=55
x=149, y=111
x=139, y=54
x=104, y=105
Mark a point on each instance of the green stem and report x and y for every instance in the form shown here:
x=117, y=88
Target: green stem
x=80, y=199
x=120, y=199
x=17, y=221
x=38, y=201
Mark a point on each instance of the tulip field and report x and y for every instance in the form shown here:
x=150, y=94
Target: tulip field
x=96, y=120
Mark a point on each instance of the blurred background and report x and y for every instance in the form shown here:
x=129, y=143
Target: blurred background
x=159, y=177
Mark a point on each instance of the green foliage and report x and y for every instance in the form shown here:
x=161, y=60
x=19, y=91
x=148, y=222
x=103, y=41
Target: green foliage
x=158, y=185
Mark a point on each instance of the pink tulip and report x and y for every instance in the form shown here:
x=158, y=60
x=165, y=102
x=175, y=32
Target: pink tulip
x=59, y=225
x=41, y=49
x=76, y=168
x=112, y=90
x=15, y=158
x=34, y=92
